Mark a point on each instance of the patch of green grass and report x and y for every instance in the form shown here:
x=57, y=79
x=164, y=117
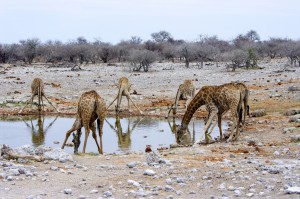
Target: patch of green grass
x=89, y=154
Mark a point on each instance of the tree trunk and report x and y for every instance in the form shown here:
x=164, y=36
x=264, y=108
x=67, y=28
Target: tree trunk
x=187, y=63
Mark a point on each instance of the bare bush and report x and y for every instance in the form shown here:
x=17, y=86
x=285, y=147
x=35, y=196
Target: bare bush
x=142, y=59
x=29, y=49
x=237, y=57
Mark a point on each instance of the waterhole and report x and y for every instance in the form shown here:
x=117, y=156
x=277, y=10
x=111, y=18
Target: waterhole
x=120, y=135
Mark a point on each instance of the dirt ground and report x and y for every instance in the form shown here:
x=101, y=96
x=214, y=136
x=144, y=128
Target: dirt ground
x=263, y=163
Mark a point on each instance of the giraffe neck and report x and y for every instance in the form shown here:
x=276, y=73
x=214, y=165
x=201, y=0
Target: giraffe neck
x=191, y=109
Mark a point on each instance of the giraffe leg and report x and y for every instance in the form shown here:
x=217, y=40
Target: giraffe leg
x=87, y=132
x=235, y=116
x=174, y=111
x=76, y=126
x=30, y=100
x=111, y=103
x=93, y=128
x=50, y=103
x=244, y=114
x=211, y=116
x=42, y=104
x=212, y=128
x=127, y=96
x=141, y=112
x=100, y=123
x=237, y=132
x=220, y=125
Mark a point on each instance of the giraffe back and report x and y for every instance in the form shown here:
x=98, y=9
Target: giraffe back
x=186, y=89
x=245, y=94
x=240, y=86
x=37, y=86
x=91, y=106
x=123, y=84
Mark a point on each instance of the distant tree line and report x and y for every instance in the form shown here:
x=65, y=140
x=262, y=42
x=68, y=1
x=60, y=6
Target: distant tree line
x=244, y=50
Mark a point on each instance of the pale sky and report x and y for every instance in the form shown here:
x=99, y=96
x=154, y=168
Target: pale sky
x=116, y=20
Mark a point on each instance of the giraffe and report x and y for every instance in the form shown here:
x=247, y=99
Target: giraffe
x=218, y=100
x=185, y=90
x=245, y=98
x=91, y=107
x=124, y=87
x=37, y=88
x=124, y=136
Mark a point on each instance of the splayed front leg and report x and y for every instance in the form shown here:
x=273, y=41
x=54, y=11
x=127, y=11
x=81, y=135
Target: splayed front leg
x=211, y=116
x=76, y=126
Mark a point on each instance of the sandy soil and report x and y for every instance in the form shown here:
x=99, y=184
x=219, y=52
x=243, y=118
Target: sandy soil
x=263, y=163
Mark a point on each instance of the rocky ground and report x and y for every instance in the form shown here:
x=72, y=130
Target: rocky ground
x=263, y=163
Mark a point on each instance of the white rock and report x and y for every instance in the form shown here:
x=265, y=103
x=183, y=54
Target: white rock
x=293, y=190
x=250, y=194
x=68, y=191
x=149, y=172
x=94, y=191
x=107, y=194
x=237, y=192
x=134, y=183
x=169, y=181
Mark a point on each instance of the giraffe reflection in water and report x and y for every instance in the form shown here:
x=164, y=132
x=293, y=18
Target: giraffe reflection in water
x=38, y=131
x=124, y=136
x=182, y=138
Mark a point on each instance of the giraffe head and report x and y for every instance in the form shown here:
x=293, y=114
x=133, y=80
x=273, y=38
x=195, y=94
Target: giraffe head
x=76, y=141
x=181, y=130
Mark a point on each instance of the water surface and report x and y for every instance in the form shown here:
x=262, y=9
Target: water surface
x=119, y=134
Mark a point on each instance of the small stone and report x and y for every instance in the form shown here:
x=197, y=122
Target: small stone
x=206, y=178
x=222, y=186
x=149, y=172
x=179, y=193
x=53, y=168
x=134, y=183
x=62, y=160
x=250, y=194
x=28, y=174
x=231, y=188
x=78, y=166
x=107, y=194
x=237, y=192
x=9, y=178
x=180, y=180
x=295, y=138
x=293, y=190
x=68, y=191
x=294, y=88
x=258, y=113
x=169, y=181
x=169, y=188
x=132, y=164
x=232, y=156
x=94, y=191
